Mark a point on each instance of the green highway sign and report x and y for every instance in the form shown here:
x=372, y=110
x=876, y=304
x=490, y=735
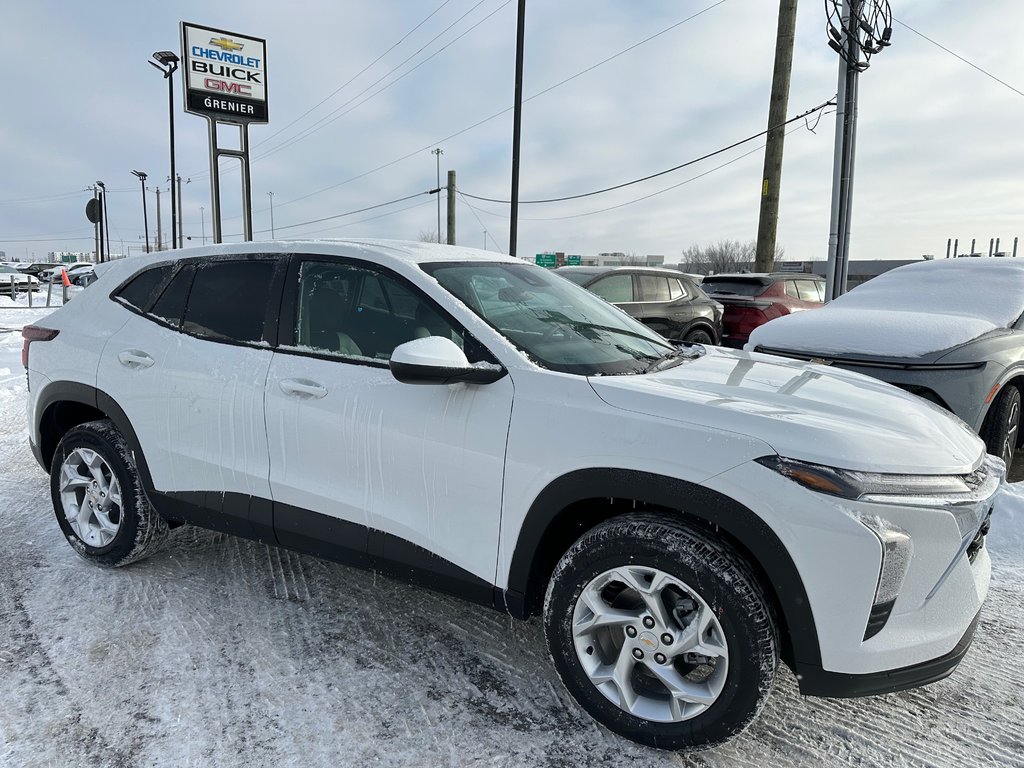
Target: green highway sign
x=573, y=261
x=547, y=260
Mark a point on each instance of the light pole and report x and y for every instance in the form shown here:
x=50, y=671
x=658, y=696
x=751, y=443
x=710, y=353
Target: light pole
x=438, y=152
x=167, y=63
x=145, y=219
x=202, y=221
x=271, y=194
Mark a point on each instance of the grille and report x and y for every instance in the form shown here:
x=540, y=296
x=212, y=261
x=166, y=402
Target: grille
x=979, y=538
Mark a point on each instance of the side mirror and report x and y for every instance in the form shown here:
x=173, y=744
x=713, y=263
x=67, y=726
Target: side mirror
x=437, y=360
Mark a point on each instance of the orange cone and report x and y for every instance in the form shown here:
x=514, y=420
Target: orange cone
x=64, y=277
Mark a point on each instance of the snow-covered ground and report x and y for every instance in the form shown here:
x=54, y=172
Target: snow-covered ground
x=219, y=651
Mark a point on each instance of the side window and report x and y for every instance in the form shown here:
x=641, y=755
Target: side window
x=791, y=289
x=171, y=304
x=615, y=289
x=228, y=301
x=808, y=290
x=820, y=288
x=676, y=289
x=654, y=288
x=145, y=287
x=329, y=320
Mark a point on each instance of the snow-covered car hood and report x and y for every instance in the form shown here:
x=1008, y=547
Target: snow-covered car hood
x=803, y=411
x=909, y=312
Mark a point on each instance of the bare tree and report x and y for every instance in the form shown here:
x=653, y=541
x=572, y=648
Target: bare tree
x=721, y=256
x=428, y=236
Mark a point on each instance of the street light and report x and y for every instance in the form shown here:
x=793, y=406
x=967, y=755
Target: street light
x=167, y=63
x=145, y=219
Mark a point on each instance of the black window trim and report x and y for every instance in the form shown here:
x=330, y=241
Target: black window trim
x=284, y=342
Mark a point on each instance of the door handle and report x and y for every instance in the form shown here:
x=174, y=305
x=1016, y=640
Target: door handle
x=302, y=388
x=134, y=358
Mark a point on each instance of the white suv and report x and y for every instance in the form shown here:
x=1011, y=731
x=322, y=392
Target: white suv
x=682, y=517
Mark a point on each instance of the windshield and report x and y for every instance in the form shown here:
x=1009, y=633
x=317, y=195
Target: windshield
x=558, y=324
x=735, y=286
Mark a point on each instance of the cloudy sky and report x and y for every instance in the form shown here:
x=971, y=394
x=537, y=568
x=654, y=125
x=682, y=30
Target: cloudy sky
x=938, y=153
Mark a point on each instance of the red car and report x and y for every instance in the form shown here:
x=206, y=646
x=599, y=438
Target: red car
x=752, y=299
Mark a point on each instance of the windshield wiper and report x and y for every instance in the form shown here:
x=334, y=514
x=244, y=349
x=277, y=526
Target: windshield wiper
x=583, y=325
x=677, y=356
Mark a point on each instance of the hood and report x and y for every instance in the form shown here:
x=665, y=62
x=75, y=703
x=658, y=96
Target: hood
x=803, y=411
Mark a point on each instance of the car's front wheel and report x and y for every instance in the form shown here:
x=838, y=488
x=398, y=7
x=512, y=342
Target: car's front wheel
x=98, y=498
x=1001, y=429
x=661, y=632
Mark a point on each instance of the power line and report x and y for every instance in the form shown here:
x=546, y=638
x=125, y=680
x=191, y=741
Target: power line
x=355, y=77
x=643, y=197
x=674, y=168
x=333, y=115
x=957, y=55
x=507, y=109
x=368, y=218
x=476, y=216
x=340, y=215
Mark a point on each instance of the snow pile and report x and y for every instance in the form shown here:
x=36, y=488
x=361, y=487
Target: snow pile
x=1007, y=534
x=907, y=312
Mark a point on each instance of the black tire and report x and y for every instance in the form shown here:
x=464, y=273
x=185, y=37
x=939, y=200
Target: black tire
x=699, y=336
x=721, y=578
x=1001, y=429
x=140, y=528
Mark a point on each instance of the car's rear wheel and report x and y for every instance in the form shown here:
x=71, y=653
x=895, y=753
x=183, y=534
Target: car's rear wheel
x=661, y=632
x=699, y=336
x=98, y=498
x=1001, y=429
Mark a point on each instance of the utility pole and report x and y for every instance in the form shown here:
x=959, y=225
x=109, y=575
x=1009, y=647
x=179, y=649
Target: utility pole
x=768, y=222
x=271, y=194
x=451, y=207
x=517, y=123
x=181, y=216
x=159, y=231
x=202, y=221
x=96, y=225
x=857, y=30
x=438, y=152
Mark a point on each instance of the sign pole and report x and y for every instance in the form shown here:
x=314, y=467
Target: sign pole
x=214, y=181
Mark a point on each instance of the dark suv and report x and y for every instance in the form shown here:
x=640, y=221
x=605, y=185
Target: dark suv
x=665, y=300
x=752, y=299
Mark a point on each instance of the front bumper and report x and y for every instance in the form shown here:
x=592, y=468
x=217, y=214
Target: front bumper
x=815, y=681
x=840, y=561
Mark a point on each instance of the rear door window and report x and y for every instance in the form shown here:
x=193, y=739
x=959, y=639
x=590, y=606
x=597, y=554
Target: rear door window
x=143, y=289
x=808, y=290
x=616, y=289
x=654, y=288
x=228, y=300
x=171, y=304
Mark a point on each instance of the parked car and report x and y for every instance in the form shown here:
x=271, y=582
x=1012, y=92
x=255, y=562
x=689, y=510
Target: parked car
x=752, y=299
x=680, y=517
x=664, y=300
x=53, y=275
x=950, y=331
x=33, y=269
x=9, y=277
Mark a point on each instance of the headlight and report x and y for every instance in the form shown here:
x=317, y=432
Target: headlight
x=905, y=490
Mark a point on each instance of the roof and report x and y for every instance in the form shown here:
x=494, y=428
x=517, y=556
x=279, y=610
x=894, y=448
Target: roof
x=764, y=277
x=593, y=270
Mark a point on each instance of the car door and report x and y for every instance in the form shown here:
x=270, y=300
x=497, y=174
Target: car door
x=666, y=308
x=360, y=463
x=619, y=289
x=189, y=371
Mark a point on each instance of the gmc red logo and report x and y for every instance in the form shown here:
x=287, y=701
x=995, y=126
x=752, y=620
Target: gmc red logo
x=239, y=89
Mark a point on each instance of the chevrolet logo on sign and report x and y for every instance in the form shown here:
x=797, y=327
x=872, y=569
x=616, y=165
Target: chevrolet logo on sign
x=226, y=44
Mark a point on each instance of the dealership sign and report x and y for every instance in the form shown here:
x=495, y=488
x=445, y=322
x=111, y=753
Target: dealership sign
x=225, y=74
